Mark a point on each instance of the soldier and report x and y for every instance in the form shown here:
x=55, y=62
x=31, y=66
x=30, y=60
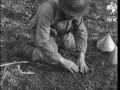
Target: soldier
x=65, y=19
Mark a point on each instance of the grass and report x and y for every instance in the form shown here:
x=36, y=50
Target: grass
x=101, y=76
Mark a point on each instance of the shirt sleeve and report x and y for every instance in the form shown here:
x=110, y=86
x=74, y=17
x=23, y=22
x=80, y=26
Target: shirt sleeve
x=80, y=35
x=43, y=36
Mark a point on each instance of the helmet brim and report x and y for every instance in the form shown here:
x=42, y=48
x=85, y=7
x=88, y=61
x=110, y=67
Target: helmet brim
x=66, y=11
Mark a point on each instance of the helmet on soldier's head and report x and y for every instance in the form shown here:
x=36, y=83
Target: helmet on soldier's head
x=75, y=8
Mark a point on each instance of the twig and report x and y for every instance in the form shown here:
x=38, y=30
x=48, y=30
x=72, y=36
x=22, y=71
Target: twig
x=7, y=64
x=44, y=65
x=29, y=72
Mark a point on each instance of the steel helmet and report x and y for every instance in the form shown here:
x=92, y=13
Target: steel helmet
x=75, y=8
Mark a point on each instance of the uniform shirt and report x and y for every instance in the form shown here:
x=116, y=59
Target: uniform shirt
x=49, y=15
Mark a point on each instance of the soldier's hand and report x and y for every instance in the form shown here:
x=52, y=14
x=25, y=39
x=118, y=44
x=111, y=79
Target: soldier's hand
x=70, y=65
x=82, y=65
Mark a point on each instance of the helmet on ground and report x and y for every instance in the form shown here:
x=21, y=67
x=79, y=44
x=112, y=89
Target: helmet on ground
x=75, y=8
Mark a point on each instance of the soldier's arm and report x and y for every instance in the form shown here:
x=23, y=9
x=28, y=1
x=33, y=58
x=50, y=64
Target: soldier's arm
x=43, y=35
x=80, y=35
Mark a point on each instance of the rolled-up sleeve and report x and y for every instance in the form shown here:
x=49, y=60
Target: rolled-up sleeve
x=81, y=36
x=43, y=37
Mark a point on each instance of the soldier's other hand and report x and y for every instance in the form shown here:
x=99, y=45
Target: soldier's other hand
x=69, y=65
x=82, y=66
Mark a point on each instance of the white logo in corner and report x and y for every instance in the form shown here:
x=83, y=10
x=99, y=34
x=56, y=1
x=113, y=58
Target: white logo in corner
x=112, y=7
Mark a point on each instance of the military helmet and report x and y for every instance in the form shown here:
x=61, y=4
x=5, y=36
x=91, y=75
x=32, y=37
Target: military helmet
x=75, y=8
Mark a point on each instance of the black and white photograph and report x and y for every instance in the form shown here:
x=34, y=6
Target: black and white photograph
x=59, y=45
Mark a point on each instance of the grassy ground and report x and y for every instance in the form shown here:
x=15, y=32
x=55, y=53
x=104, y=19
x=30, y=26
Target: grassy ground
x=15, y=17
x=102, y=75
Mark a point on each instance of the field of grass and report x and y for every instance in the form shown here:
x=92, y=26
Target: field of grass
x=15, y=17
x=101, y=76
